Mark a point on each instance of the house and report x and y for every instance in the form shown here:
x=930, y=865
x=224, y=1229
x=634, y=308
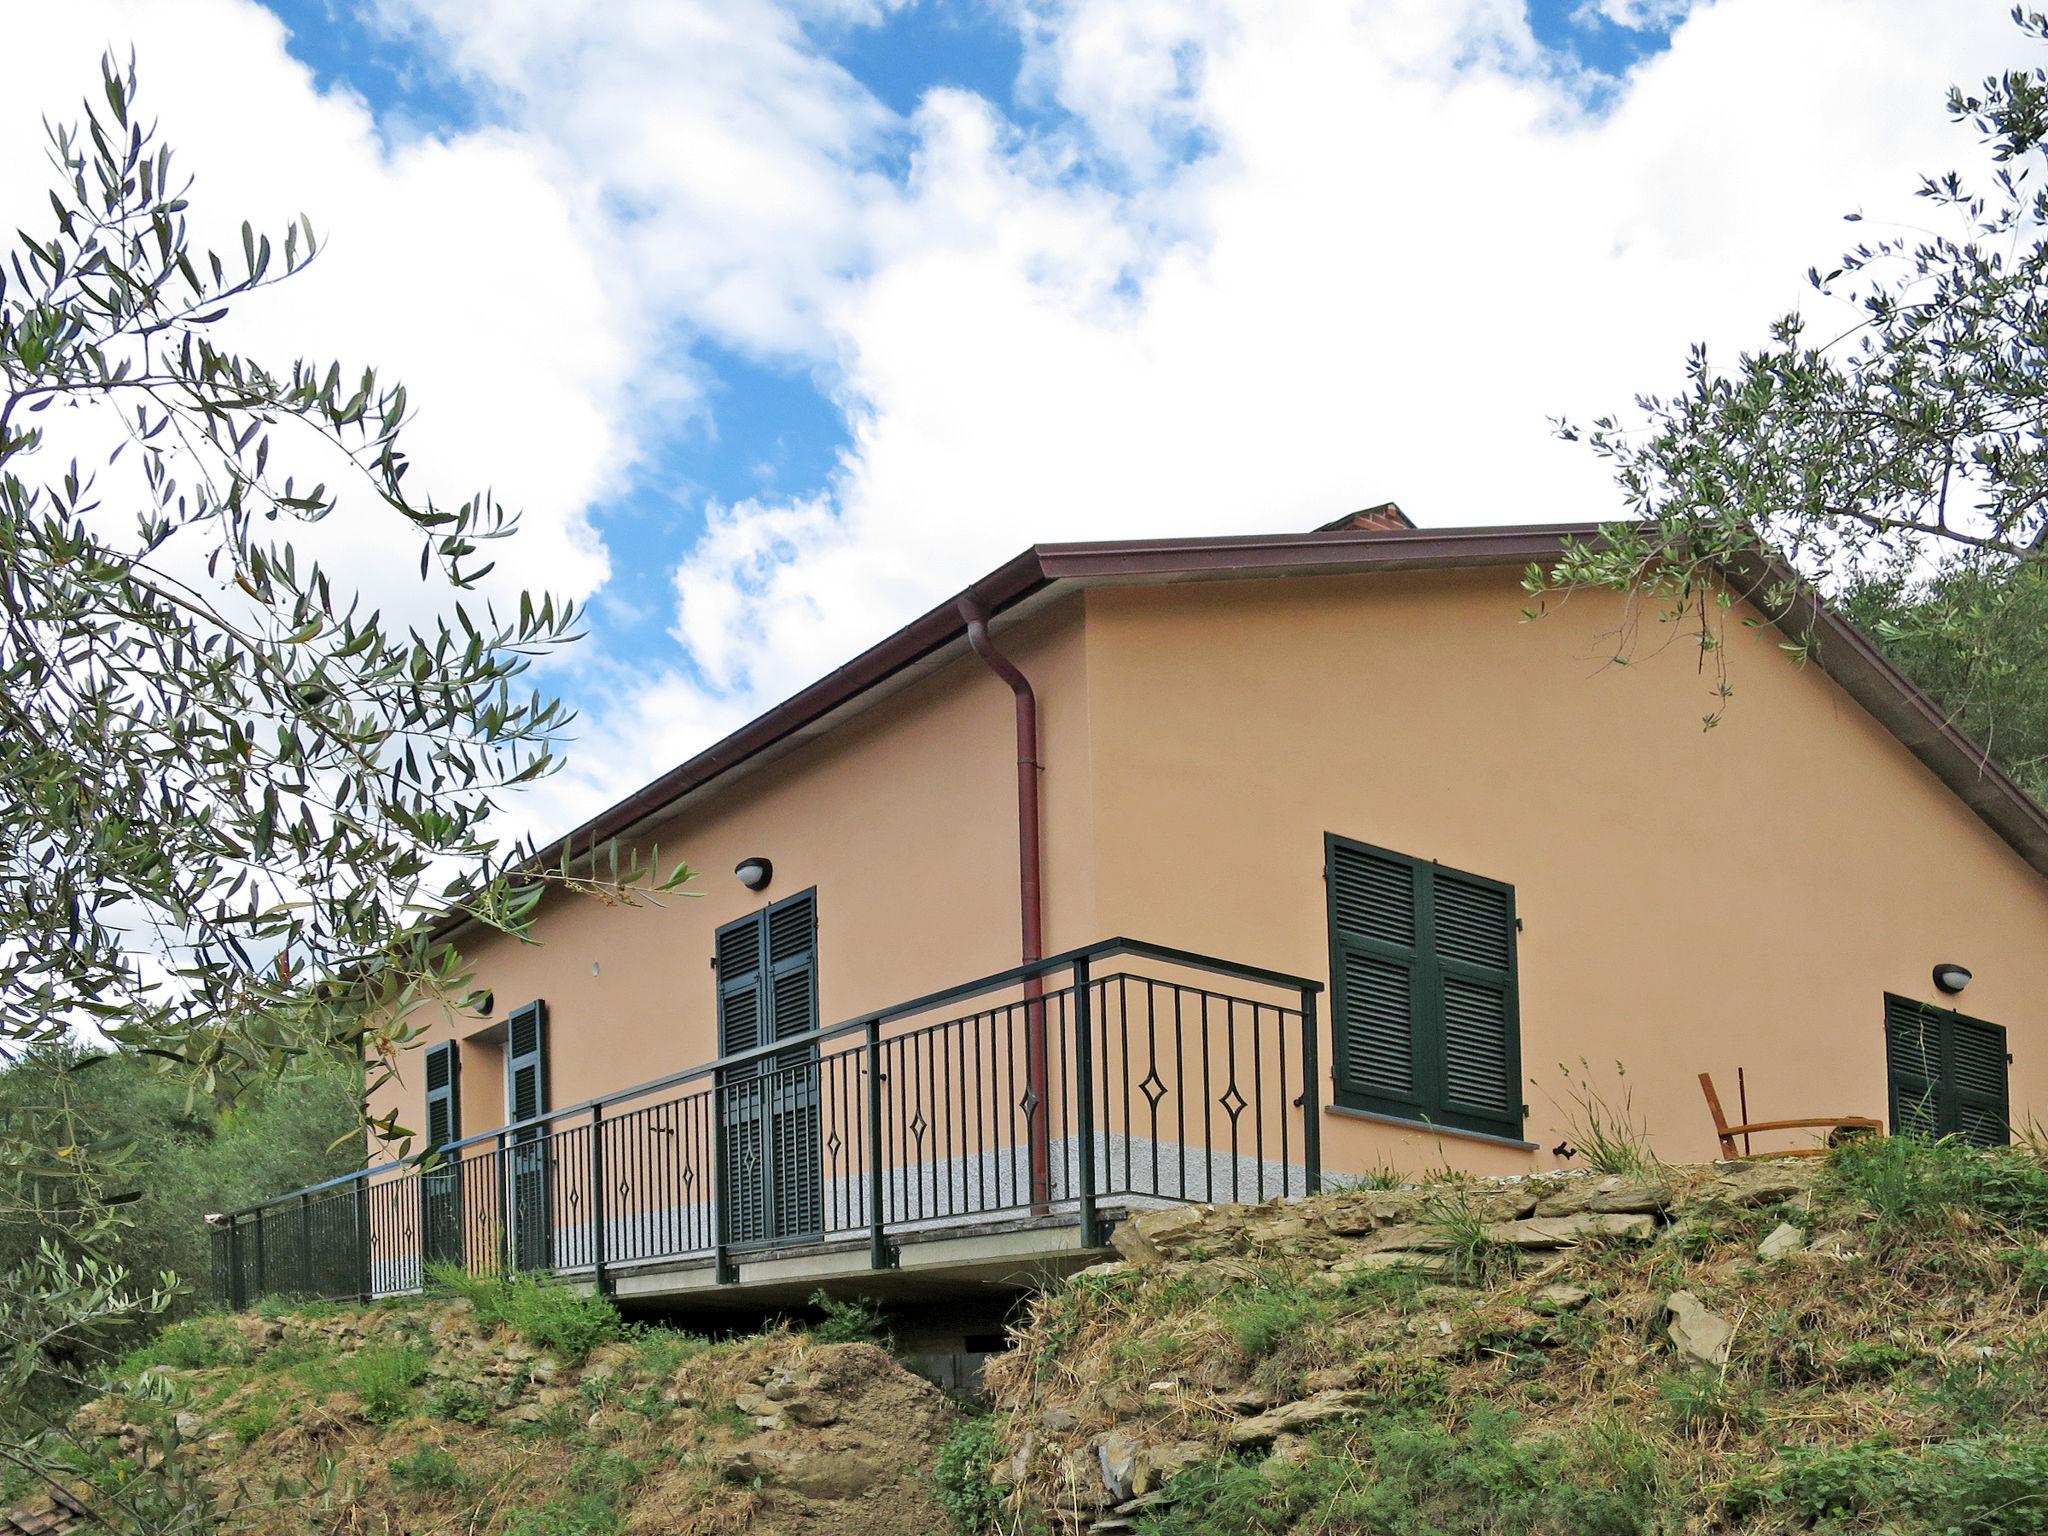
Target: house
x=1211, y=868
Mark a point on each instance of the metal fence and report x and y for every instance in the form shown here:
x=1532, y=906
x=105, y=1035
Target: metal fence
x=1124, y=1072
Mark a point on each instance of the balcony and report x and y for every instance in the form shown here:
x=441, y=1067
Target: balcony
x=982, y=1134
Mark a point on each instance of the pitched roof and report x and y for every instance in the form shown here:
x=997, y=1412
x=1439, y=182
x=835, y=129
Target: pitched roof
x=1360, y=542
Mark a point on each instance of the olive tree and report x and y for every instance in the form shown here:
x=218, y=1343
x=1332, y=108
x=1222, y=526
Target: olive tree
x=1904, y=444
x=239, y=805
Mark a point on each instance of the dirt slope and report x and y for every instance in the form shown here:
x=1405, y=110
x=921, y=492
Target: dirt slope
x=414, y=1418
x=1754, y=1347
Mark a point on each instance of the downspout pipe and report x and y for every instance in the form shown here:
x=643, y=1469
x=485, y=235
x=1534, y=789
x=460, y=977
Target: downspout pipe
x=1030, y=899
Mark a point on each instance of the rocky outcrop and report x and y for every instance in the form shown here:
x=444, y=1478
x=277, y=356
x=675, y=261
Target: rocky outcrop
x=1101, y=1455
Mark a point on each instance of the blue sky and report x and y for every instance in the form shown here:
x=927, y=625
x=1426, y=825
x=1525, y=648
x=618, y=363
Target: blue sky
x=785, y=319
x=773, y=427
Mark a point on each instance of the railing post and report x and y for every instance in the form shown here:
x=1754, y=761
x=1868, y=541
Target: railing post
x=880, y=1254
x=1084, y=1105
x=305, y=1245
x=262, y=1259
x=506, y=1196
x=1311, y=1096
x=362, y=1208
x=722, y=1270
x=238, y=1297
x=597, y=1240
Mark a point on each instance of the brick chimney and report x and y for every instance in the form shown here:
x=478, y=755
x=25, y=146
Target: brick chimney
x=1384, y=518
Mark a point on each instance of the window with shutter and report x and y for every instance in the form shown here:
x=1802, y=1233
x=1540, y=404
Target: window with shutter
x=1423, y=1008
x=768, y=993
x=530, y=1177
x=1947, y=1073
x=441, y=1182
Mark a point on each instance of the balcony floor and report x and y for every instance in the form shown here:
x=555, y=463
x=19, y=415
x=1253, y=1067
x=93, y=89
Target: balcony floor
x=996, y=1256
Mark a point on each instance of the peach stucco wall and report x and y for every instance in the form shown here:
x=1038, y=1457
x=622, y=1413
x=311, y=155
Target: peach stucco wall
x=1691, y=900
x=903, y=818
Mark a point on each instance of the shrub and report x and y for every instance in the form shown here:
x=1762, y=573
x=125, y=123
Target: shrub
x=964, y=1477
x=384, y=1376
x=857, y=1320
x=541, y=1310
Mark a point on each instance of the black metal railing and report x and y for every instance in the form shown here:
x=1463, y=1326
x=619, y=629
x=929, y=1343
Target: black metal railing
x=1109, y=1074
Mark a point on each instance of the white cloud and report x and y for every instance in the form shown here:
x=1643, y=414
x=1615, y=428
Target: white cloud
x=1412, y=236
x=460, y=265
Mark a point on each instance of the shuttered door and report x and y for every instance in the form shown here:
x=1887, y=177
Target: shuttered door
x=1423, y=990
x=768, y=993
x=531, y=1204
x=441, y=1184
x=1948, y=1074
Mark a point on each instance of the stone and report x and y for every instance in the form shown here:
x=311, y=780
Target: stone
x=190, y=1425
x=1117, y=1456
x=1289, y=1450
x=1783, y=1239
x=1832, y=1245
x=1297, y=1415
x=1358, y=1211
x=1150, y=1236
x=1761, y=1183
x=1395, y=1258
x=1700, y=1336
x=1157, y=1464
x=811, y=1412
x=1614, y=1195
x=1561, y=1297
x=1566, y=1231
x=1058, y=1421
x=1410, y=1236
x=1508, y=1202
x=1012, y=1472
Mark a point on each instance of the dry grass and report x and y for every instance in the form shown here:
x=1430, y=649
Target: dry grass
x=1921, y=1329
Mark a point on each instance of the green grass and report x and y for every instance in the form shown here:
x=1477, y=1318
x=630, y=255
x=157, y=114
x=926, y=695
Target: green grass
x=460, y=1403
x=197, y=1344
x=963, y=1478
x=384, y=1376
x=542, y=1311
x=1409, y=1476
x=1262, y=1318
x=431, y=1470
x=1915, y=1186
x=253, y=1420
x=1474, y=1258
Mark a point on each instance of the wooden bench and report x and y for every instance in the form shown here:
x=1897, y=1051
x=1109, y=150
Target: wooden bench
x=1837, y=1127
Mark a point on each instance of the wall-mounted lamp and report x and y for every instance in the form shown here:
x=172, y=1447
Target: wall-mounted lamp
x=754, y=873
x=1950, y=977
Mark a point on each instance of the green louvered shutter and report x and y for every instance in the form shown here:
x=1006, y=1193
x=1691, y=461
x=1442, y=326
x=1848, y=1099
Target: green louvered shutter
x=1423, y=1002
x=1472, y=934
x=1378, y=1023
x=1948, y=1074
x=531, y=1206
x=441, y=1184
x=768, y=993
x=1977, y=1072
x=798, y=1208
x=741, y=948
x=1912, y=1048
